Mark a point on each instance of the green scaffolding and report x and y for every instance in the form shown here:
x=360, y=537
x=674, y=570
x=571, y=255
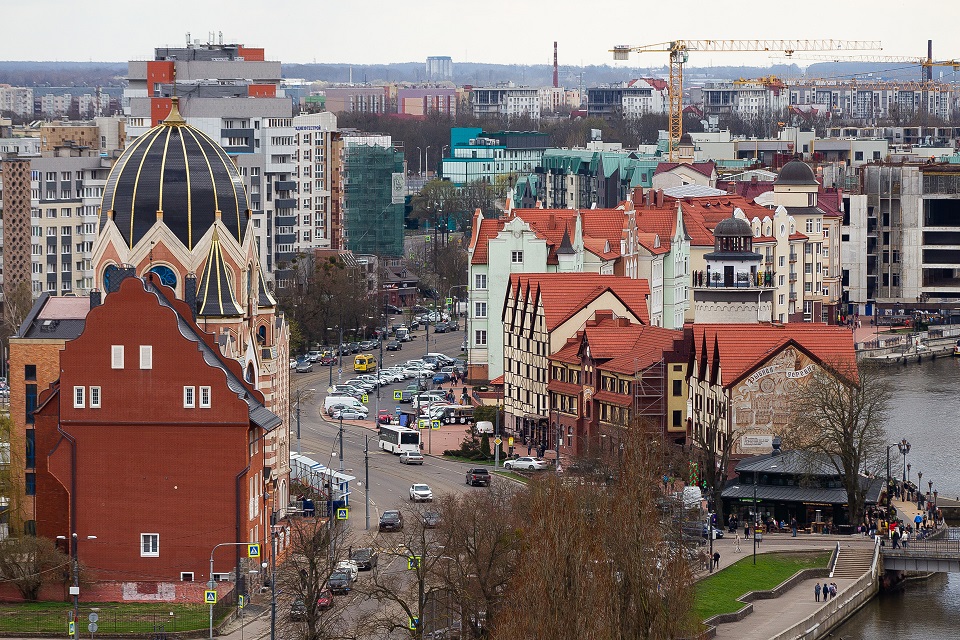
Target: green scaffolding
x=373, y=223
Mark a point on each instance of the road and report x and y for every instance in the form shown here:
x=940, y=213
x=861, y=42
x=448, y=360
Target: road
x=389, y=480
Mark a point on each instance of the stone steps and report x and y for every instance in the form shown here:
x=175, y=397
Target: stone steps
x=853, y=563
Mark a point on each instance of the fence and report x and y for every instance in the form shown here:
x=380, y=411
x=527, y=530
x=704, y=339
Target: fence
x=125, y=619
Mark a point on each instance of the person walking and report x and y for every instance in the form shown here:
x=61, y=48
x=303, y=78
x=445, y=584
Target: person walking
x=816, y=591
x=793, y=526
x=738, y=541
x=716, y=559
x=833, y=590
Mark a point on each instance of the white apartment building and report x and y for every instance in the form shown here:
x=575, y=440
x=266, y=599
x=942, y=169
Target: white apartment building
x=313, y=137
x=18, y=100
x=748, y=99
x=510, y=101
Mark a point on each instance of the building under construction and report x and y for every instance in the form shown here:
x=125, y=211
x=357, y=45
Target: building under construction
x=374, y=189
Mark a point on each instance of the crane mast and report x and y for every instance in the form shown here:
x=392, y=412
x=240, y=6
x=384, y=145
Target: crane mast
x=679, y=52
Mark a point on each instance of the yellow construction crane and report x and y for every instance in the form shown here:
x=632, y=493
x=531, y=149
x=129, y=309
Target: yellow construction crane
x=917, y=60
x=679, y=49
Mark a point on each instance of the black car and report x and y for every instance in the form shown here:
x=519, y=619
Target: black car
x=366, y=558
x=440, y=327
x=419, y=308
x=431, y=519
x=298, y=609
x=415, y=324
x=394, y=345
x=340, y=582
x=345, y=349
x=304, y=367
x=391, y=521
x=354, y=347
x=389, y=308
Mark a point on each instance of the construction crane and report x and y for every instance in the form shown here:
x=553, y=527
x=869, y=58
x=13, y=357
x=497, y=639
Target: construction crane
x=925, y=63
x=679, y=50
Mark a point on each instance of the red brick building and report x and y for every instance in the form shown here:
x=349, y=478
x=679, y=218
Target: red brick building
x=152, y=442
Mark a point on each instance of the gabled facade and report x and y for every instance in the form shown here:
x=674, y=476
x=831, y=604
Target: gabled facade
x=541, y=311
x=741, y=377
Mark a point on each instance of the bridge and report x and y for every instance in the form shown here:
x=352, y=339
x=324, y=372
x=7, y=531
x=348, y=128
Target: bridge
x=937, y=555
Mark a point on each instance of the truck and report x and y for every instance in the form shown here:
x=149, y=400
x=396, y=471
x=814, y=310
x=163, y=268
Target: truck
x=478, y=477
x=403, y=334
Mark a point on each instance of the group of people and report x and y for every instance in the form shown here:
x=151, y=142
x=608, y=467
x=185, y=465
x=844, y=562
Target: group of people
x=828, y=589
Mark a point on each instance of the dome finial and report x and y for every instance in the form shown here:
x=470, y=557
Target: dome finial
x=174, y=118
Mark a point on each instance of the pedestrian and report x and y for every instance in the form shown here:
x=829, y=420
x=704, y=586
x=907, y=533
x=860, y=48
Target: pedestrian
x=816, y=591
x=738, y=541
x=716, y=559
x=529, y=447
x=833, y=590
x=793, y=526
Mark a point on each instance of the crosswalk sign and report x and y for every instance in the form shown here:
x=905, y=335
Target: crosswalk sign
x=413, y=562
x=343, y=513
x=242, y=601
x=423, y=423
x=364, y=398
x=210, y=597
x=72, y=628
x=413, y=623
x=253, y=550
x=398, y=395
x=434, y=424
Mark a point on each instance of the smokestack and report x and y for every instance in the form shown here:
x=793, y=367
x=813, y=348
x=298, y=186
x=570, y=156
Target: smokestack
x=928, y=70
x=556, y=71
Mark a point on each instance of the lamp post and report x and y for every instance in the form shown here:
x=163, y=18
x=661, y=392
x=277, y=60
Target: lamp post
x=420, y=161
x=889, y=478
x=426, y=160
x=908, y=472
x=341, y=441
x=755, y=514
x=75, y=589
x=904, y=447
x=299, y=394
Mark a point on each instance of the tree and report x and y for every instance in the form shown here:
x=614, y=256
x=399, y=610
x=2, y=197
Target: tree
x=29, y=562
x=714, y=446
x=838, y=419
x=595, y=560
x=483, y=537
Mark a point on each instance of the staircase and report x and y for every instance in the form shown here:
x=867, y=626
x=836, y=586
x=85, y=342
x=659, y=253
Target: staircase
x=853, y=562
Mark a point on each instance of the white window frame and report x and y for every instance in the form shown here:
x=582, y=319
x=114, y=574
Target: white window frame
x=79, y=397
x=116, y=356
x=189, y=397
x=516, y=257
x=154, y=539
x=478, y=334
x=205, y=393
x=480, y=309
x=184, y=576
x=94, y=397
x=146, y=356
x=480, y=281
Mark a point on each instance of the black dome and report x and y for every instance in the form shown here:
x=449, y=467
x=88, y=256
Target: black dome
x=179, y=170
x=796, y=172
x=733, y=227
x=686, y=139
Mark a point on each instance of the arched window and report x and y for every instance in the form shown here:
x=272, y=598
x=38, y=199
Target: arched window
x=248, y=374
x=262, y=334
x=110, y=275
x=167, y=276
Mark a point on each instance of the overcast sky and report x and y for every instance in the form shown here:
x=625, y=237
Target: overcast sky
x=499, y=31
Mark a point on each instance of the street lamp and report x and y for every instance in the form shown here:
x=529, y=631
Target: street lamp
x=908, y=471
x=299, y=394
x=426, y=160
x=901, y=444
x=75, y=589
x=904, y=447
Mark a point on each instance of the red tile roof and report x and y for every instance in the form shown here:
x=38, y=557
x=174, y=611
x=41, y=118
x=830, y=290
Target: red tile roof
x=568, y=388
x=649, y=240
x=706, y=168
x=610, y=397
x=743, y=347
x=488, y=229
x=498, y=381
x=564, y=294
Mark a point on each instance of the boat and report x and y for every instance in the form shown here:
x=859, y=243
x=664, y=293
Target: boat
x=956, y=350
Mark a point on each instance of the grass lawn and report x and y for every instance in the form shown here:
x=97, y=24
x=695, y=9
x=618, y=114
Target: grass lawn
x=719, y=592
x=52, y=617
x=513, y=476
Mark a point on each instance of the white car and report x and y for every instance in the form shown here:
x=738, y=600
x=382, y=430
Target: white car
x=526, y=462
x=411, y=457
x=417, y=372
x=421, y=493
x=349, y=566
x=392, y=375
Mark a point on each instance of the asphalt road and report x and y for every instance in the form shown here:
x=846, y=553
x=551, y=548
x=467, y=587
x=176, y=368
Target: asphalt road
x=389, y=480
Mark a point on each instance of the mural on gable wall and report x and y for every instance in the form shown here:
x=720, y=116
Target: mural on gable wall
x=761, y=402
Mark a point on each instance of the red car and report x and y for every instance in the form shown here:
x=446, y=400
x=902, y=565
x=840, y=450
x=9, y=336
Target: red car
x=384, y=417
x=325, y=600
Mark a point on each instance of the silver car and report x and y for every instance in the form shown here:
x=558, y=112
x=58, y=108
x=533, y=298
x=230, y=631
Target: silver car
x=411, y=457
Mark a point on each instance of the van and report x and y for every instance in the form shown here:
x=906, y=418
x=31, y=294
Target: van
x=403, y=334
x=485, y=426
x=331, y=400
x=364, y=362
x=457, y=415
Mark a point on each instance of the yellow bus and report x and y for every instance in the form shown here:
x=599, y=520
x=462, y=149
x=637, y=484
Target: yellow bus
x=364, y=362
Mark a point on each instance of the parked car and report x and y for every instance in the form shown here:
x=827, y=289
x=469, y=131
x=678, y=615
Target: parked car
x=354, y=347
x=360, y=383
x=391, y=521
x=392, y=375
x=365, y=558
x=441, y=377
x=431, y=519
x=394, y=345
x=421, y=493
x=411, y=457
x=419, y=308
x=293, y=363
x=717, y=533
x=325, y=599
x=366, y=345
x=328, y=360
x=440, y=327
x=478, y=476
x=298, y=609
x=340, y=582
x=350, y=413
x=526, y=462
x=335, y=408
x=389, y=308
x=304, y=367
x=312, y=356
x=349, y=566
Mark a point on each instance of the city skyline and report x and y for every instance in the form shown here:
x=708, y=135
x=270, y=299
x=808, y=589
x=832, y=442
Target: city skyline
x=492, y=32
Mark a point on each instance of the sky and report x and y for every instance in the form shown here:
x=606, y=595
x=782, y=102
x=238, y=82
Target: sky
x=495, y=31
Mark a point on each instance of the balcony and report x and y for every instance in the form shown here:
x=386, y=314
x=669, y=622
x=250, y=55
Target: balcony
x=285, y=221
x=793, y=257
x=793, y=277
x=285, y=203
x=285, y=185
x=793, y=297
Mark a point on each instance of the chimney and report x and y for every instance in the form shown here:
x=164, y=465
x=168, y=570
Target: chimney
x=95, y=299
x=659, y=200
x=190, y=293
x=556, y=71
x=637, y=196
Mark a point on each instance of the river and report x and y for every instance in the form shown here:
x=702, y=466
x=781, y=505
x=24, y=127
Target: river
x=925, y=412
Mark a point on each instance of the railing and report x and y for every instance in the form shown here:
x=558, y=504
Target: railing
x=834, y=559
x=927, y=548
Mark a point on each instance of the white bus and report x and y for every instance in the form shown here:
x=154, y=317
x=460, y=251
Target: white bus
x=399, y=439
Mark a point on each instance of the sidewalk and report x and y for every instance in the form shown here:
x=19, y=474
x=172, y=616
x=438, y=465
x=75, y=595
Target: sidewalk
x=772, y=616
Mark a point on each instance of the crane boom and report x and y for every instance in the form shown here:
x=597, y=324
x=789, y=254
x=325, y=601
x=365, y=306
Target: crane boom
x=678, y=50
x=923, y=62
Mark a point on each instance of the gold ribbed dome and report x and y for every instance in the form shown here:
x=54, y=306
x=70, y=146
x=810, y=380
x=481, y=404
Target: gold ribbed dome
x=176, y=173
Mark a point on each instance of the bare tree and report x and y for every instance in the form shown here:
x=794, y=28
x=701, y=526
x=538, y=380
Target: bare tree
x=596, y=561
x=483, y=541
x=29, y=562
x=714, y=445
x=838, y=418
